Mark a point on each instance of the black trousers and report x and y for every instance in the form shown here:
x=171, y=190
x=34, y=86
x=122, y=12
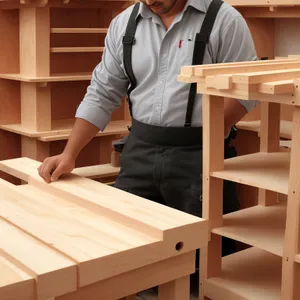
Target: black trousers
x=155, y=166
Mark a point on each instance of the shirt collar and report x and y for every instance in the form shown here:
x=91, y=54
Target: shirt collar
x=146, y=13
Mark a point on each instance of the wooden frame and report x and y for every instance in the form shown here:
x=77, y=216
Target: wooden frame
x=269, y=268
x=49, y=49
x=85, y=238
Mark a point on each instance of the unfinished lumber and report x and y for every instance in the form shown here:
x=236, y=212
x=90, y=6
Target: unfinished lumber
x=105, y=232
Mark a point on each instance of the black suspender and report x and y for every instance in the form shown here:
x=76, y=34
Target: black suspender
x=128, y=41
x=201, y=41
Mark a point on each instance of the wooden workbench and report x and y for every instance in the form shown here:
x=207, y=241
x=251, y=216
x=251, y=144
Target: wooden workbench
x=80, y=239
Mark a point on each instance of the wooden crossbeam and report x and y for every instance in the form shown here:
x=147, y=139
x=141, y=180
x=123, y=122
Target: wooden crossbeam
x=217, y=70
x=266, y=76
x=190, y=70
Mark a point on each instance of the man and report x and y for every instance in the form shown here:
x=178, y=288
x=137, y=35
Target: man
x=162, y=158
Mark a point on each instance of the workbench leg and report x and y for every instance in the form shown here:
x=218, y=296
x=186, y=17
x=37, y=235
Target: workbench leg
x=178, y=289
x=269, y=142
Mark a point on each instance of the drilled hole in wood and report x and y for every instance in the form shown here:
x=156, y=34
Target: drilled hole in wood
x=179, y=246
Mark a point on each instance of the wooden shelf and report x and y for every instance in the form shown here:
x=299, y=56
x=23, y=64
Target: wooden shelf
x=53, y=78
x=259, y=226
x=251, y=274
x=79, y=30
x=76, y=49
x=61, y=130
x=268, y=171
x=285, y=127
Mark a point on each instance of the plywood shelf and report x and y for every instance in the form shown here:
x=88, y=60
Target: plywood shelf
x=251, y=274
x=285, y=127
x=79, y=30
x=76, y=49
x=86, y=76
x=259, y=226
x=61, y=130
x=268, y=171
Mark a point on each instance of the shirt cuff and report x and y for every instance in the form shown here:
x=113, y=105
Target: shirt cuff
x=94, y=115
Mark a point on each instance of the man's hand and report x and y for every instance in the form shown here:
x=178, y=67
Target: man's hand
x=53, y=167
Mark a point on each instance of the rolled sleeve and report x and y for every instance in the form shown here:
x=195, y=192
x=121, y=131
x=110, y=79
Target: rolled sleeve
x=237, y=45
x=108, y=85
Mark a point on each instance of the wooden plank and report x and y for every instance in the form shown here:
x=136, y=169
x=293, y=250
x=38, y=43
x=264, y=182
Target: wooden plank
x=76, y=49
x=165, y=270
x=277, y=87
x=79, y=30
x=78, y=241
x=54, y=274
x=61, y=129
x=231, y=69
x=213, y=151
x=268, y=171
x=265, y=76
x=53, y=78
x=15, y=283
x=259, y=226
x=190, y=70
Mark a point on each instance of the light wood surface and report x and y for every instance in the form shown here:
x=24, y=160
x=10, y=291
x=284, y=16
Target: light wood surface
x=87, y=233
x=263, y=170
x=251, y=274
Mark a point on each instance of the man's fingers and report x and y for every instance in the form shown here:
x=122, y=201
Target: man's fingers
x=46, y=170
x=57, y=172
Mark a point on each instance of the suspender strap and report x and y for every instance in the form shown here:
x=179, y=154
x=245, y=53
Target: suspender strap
x=201, y=41
x=128, y=41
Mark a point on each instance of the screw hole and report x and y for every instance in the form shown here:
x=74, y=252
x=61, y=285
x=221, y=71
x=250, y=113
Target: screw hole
x=179, y=246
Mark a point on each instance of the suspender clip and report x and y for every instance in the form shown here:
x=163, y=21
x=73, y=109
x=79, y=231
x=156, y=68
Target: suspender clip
x=128, y=40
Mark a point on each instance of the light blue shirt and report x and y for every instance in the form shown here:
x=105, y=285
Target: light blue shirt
x=158, y=98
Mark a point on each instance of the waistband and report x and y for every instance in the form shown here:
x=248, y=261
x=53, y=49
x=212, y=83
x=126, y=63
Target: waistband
x=167, y=136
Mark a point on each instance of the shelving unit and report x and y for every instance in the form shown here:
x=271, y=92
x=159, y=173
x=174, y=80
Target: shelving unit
x=49, y=49
x=269, y=268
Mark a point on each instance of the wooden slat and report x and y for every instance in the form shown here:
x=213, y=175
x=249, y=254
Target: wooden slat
x=76, y=49
x=190, y=70
x=55, y=274
x=265, y=76
x=242, y=68
x=15, y=283
x=79, y=30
